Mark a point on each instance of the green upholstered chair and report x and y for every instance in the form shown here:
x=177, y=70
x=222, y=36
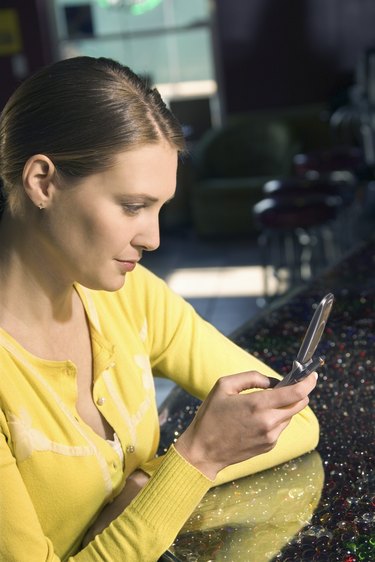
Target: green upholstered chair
x=232, y=163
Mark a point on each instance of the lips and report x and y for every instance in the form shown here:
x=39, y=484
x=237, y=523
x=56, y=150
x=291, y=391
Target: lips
x=126, y=265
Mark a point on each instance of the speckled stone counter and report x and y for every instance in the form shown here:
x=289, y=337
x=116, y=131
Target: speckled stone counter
x=320, y=507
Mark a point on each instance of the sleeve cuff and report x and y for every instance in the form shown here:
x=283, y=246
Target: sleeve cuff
x=172, y=493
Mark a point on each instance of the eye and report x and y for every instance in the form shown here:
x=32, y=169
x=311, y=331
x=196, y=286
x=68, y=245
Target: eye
x=132, y=209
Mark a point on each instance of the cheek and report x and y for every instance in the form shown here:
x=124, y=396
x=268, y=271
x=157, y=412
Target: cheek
x=91, y=222
x=108, y=231
x=90, y=225
x=78, y=232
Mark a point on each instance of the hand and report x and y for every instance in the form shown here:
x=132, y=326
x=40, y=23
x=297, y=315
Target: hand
x=231, y=427
x=133, y=485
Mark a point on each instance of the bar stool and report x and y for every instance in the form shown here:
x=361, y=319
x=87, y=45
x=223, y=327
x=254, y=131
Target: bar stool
x=326, y=161
x=296, y=237
x=342, y=185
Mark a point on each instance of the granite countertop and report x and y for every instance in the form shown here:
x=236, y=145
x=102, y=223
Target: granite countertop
x=320, y=507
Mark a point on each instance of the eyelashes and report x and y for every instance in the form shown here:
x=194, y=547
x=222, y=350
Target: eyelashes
x=132, y=209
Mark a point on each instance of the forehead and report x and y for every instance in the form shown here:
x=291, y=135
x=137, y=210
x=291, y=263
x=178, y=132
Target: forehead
x=160, y=156
x=149, y=166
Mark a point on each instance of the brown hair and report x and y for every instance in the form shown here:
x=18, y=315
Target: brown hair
x=80, y=112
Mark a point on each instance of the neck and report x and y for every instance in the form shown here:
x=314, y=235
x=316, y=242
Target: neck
x=29, y=288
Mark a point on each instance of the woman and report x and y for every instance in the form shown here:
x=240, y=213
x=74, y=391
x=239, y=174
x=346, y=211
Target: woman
x=88, y=157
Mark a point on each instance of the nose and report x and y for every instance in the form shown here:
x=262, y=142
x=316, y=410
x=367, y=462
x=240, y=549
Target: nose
x=149, y=238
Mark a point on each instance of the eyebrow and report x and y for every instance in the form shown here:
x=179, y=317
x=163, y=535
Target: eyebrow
x=144, y=197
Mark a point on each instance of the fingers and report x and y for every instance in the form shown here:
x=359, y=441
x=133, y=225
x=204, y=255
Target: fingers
x=230, y=426
x=286, y=395
x=280, y=416
x=234, y=384
x=278, y=420
x=288, y=412
x=293, y=398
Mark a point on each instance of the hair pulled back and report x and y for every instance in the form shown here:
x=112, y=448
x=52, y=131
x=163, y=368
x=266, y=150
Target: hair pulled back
x=80, y=112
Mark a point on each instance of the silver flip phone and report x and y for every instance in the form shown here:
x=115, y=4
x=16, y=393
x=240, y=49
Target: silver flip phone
x=305, y=362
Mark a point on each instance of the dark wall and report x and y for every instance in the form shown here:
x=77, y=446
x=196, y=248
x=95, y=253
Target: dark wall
x=272, y=53
x=287, y=52
x=38, y=43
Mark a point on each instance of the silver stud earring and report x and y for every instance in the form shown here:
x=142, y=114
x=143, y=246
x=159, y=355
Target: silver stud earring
x=41, y=206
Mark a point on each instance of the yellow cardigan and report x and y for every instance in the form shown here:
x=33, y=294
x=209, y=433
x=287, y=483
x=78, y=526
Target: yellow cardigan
x=56, y=473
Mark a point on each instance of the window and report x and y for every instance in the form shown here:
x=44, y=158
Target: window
x=170, y=43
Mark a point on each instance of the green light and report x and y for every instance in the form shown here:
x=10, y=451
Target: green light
x=136, y=7
x=142, y=7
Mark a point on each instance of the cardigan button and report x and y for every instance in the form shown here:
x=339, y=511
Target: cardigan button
x=100, y=401
x=130, y=449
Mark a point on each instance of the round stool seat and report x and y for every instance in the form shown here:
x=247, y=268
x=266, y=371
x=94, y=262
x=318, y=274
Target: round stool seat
x=341, y=186
x=296, y=236
x=295, y=210
x=295, y=186
x=329, y=160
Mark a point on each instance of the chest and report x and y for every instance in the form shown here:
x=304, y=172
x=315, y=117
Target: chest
x=78, y=349
x=109, y=385
x=69, y=341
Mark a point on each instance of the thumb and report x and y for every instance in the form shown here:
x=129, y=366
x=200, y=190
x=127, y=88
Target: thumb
x=234, y=384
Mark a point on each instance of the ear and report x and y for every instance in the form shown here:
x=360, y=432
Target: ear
x=38, y=175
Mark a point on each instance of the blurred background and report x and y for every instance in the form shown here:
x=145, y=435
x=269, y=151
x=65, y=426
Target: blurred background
x=277, y=103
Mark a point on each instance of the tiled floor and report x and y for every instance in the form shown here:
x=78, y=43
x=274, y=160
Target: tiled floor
x=221, y=278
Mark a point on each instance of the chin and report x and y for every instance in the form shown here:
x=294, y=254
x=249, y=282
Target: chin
x=105, y=285
x=115, y=286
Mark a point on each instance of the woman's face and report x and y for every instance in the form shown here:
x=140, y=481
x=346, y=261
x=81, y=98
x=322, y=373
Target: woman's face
x=95, y=232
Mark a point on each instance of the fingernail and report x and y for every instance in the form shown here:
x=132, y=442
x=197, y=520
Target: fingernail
x=316, y=375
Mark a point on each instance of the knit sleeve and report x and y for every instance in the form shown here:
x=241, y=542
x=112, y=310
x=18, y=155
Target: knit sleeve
x=159, y=511
x=143, y=531
x=21, y=536
x=193, y=353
